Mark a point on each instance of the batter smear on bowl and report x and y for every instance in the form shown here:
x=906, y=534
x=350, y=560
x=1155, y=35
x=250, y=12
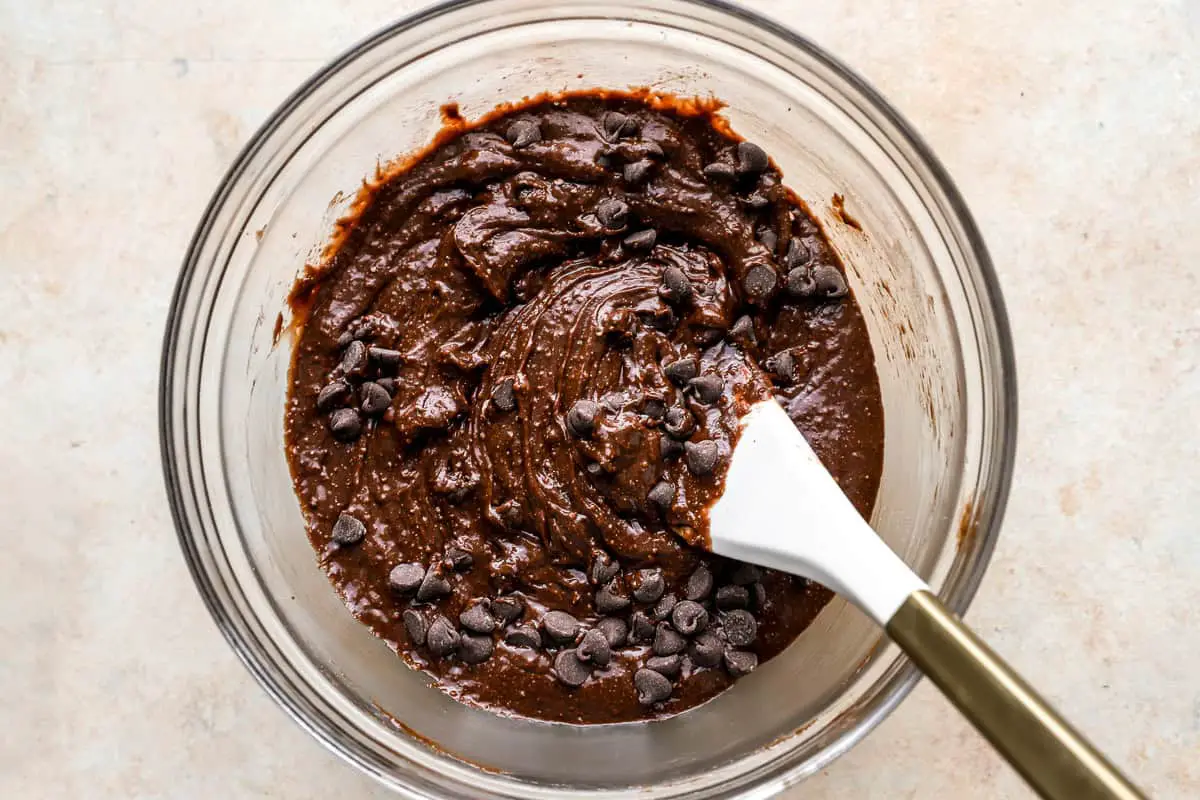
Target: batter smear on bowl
x=517, y=387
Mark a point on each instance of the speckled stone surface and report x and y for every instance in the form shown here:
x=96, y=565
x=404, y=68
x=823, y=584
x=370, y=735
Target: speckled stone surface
x=1074, y=135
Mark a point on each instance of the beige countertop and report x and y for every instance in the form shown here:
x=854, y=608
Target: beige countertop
x=1074, y=134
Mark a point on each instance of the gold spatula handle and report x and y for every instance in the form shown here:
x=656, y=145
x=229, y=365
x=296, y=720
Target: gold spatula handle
x=1051, y=755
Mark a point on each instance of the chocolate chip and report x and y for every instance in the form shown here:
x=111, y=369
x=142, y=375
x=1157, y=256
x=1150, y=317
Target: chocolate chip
x=433, y=587
x=783, y=366
x=384, y=356
x=758, y=596
x=415, y=624
x=615, y=630
x=406, y=578
x=641, y=240
x=652, y=687
x=570, y=669
x=345, y=424
x=594, y=647
x=442, y=638
x=679, y=422
x=708, y=388
x=689, y=617
x=718, y=171
x=706, y=650
x=662, y=609
x=332, y=394
x=390, y=385
x=830, y=282
x=742, y=331
x=731, y=597
x=759, y=283
x=617, y=125
x=477, y=618
x=524, y=636
x=676, y=287
x=757, y=201
x=700, y=457
x=662, y=497
x=354, y=360
x=560, y=626
x=669, y=448
x=507, y=609
x=797, y=255
x=609, y=599
x=612, y=213
x=769, y=239
x=603, y=568
x=745, y=574
x=740, y=627
x=654, y=407
x=458, y=559
x=652, y=586
x=699, y=584
x=740, y=662
x=751, y=159
x=707, y=337
x=348, y=530
x=667, y=641
x=503, y=396
x=666, y=665
x=682, y=370
x=475, y=649
x=641, y=628
x=581, y=419
x=636, y=172
x=522, y=133
x=800, y=282
x=374, y=399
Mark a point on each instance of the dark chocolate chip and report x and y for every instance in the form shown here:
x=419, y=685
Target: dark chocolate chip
x=507, y=609
x=700, y=457
x=442, y=638
x=745, y=574
x=475, y=649
x=652, y=148
x=354, y=360
x=477, y=618
x=740, y=662
x=759, y=283
x=570, y=669
x=415, y=624
x=699, y=584
x=332, y=394
x=374, y=399
x=594, y=647
x=682, y=370
x=740, y=627
x=719, y=172
x=603, y=568
x=652, y=687
x=707, y=337
x=654, y=407
x=641, y=628
x=757, y=201
x=348, y=530
x=560, y=626
x=662, y=609
x=581, y=418
x=751, y=159
x=524, y=636
x=758, y=596
x=610, y=600
x=706, y=650
x=612, y=213
x=742, y=331
x=522, y=133
x=662, y=497
x=615, y=630
x=731, y=597
x=676, y=286
x=707, y=388
x=689, y=617
x=504, y=397
x=433, y=587
x=406, y=578
x=800, y=282
x=830, y=282
x=458, y=559
x=636, y=172
x=769, y=239
x=666, y=665
x=667, y=641
x=797, y=255
x=383, y=356
x=679, y=422
x=617, y=125
x=651, y=589
x=641, y=240
x=345, y=424
x=390, y=385
x=783, y=366
x=669, y=448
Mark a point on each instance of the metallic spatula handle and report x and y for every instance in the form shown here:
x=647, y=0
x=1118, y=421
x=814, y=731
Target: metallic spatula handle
x=1054, y=758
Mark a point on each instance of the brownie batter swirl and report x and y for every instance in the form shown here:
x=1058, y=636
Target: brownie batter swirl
x=518, y=387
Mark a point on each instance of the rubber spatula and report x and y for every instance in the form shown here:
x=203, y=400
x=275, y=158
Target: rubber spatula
x=782, y=509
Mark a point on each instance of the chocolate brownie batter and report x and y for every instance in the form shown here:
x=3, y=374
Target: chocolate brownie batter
x=518, y=386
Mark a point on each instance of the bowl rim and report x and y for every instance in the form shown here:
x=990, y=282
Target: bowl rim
x=905, y=675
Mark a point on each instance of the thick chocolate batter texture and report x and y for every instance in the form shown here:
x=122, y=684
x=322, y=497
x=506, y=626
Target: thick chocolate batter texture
x=518, y=385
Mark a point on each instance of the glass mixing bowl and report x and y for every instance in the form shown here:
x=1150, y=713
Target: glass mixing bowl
x=918, y=268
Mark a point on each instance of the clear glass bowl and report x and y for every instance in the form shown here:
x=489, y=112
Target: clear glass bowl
x=918, y=268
